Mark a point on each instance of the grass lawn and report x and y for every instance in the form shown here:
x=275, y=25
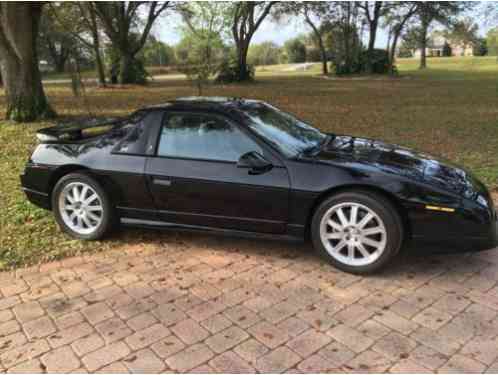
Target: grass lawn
x=449, y=110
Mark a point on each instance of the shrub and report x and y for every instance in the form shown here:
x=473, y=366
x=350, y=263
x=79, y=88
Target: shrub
x=380, y=63
x=228, y=72
x=480, y=47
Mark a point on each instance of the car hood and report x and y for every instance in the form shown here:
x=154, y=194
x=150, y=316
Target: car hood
x=403, y=161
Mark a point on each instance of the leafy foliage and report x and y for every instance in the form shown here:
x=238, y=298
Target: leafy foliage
x=379, y=64
x=202, y=48
x=463, y=32
x=266, y=53
x=121, y=23
x=295, y=50
x=480, y=47
x=135, y=67
x=229, y=72
x=342, y=40
x=157, y=53
x=245, y=17
x=492, y=42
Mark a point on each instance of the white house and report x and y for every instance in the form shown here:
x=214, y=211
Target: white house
x=435, y=47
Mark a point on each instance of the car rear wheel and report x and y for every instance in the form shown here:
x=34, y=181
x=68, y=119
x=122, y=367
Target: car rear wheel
x=81, y=207
x=358, y=232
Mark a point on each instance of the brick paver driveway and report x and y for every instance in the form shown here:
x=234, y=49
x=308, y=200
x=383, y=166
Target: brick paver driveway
x=201, y=303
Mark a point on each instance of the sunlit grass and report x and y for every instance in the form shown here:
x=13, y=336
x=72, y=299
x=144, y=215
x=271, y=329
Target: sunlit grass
x=443, y=68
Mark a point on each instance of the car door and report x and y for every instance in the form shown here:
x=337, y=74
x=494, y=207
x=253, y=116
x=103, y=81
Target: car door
x=195, y=180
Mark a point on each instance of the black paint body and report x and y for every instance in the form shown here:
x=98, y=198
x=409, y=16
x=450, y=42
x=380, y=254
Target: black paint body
x=149, y=190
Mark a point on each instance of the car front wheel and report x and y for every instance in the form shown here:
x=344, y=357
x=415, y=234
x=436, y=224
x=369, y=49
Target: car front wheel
x=358, y=232
x=81, y=207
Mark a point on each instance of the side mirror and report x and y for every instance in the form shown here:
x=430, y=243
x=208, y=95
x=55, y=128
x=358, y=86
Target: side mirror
x=255, y=162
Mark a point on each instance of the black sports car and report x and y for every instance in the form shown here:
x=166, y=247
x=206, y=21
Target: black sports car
x=247, y=167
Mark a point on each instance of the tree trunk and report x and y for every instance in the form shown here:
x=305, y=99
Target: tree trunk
x=92, y=21
x=242, y=62
x=389, y=38
x=325, y=68
x=60, y=64
x=392, y=51
x=100, y=68
x=126, y=73
x=373, y=25
x=371, y=45
x=423, y=45
x=348, y=59
x=26, y=100
x=58, y=58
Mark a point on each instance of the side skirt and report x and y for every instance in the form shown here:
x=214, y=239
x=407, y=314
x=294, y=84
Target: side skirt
x=153, y=224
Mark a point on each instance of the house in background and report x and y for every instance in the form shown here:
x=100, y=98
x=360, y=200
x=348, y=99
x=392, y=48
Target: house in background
x=438, y=45
x=45, y=67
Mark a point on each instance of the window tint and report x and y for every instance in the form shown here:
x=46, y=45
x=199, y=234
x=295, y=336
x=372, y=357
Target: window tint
x=135, y=139
x=203, y=137
x=288, y=134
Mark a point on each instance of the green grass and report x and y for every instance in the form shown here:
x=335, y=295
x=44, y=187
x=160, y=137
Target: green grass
x=449, y=110
x=456, y=68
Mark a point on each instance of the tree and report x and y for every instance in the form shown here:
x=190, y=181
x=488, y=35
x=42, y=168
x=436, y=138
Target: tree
x=373, y=11
x=431, y=11
x=343, y=36
x=157, y=53
x=397, y=18
x=403, y=51
x=202, y=48
x=121, y=21
x=296, y=50
x=411, y=38
x=313, y=13
x=54, y=44
x=480, y=47
x=492, y=42
x=19, y=26
x=79, y=19
x=245, y=19
x=463, y=33
x=266, y=53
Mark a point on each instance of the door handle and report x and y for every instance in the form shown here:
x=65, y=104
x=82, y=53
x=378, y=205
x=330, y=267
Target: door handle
x=159, y=181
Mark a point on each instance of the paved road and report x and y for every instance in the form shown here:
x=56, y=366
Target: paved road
x=199, y=303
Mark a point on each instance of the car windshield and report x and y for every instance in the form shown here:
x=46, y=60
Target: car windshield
x=285, y=132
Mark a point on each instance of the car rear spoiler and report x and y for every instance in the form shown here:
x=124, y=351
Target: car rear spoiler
x=76, y=131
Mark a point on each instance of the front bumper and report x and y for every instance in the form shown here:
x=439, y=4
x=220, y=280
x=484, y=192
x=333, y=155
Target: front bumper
x=456, y=244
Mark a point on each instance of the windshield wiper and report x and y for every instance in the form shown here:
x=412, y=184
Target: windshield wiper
x=314, y=149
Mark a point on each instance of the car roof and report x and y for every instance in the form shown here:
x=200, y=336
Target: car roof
x=217, y=103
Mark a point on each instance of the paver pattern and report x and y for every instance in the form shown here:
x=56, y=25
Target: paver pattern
x=190, y=302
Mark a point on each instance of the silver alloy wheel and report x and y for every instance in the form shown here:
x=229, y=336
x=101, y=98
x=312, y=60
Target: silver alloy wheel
x=80, y=207
x=353, y=234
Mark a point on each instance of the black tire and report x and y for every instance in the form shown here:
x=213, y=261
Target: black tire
x=108, y=216
x=380, y=206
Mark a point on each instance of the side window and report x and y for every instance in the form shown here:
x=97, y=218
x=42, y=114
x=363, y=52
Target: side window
x=197, y=136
